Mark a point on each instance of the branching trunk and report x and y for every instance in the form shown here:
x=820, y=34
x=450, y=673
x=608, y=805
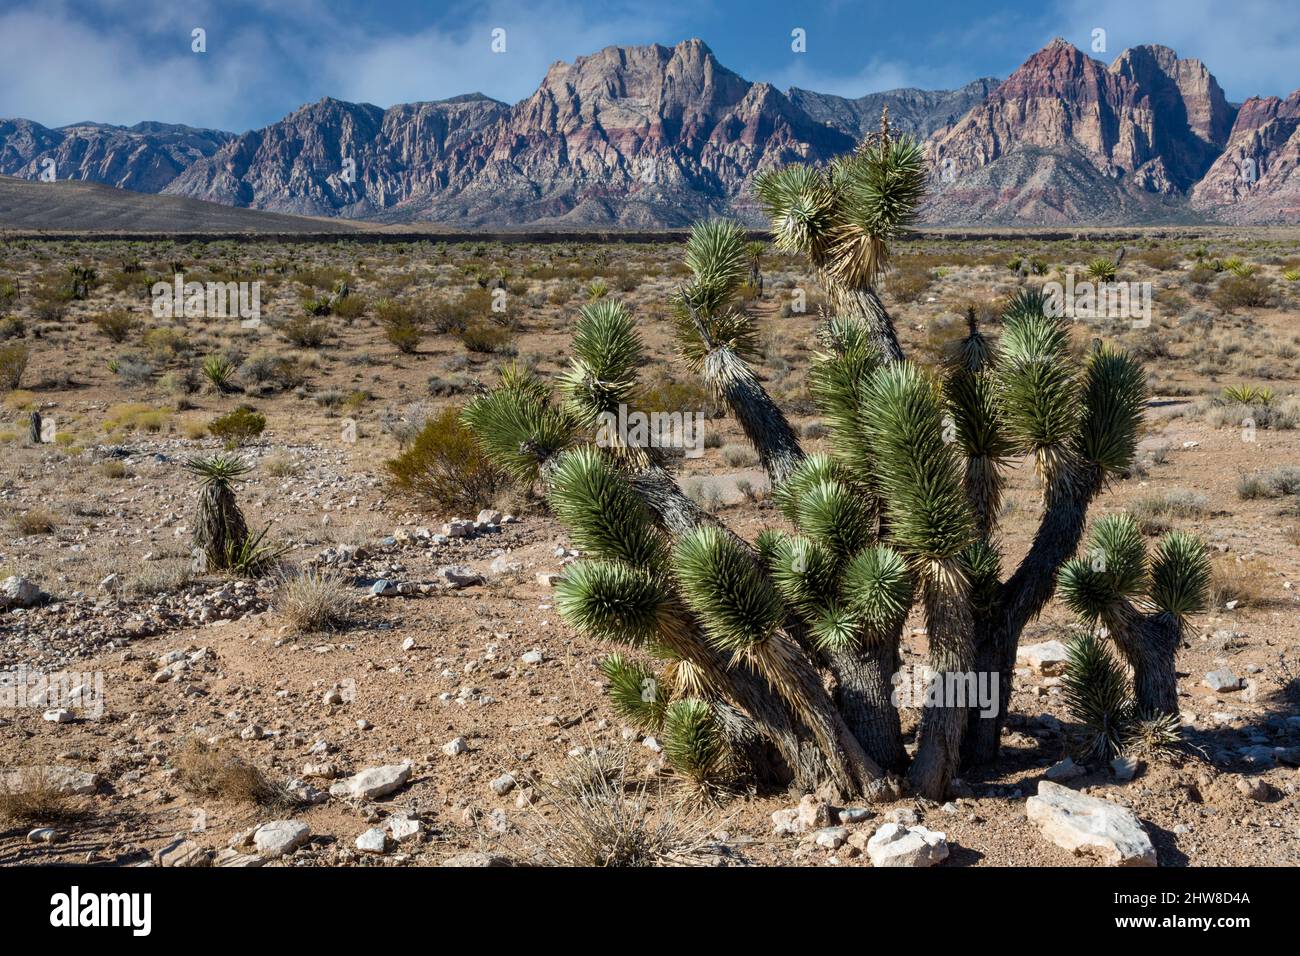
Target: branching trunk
x=865, y=304
x=863, y=692
x=763, y=422
x=1150, y=646
x=943, y=722
x=1022, y=598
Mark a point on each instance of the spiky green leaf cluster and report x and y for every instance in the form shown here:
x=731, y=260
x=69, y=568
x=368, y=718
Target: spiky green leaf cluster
x=1113, y=569
x=737, y=604
x=636, y=692
x=693, y=742
x=1036, y=377
x=1114, y=394
x=705, y=314
x=607, y=354
x=919, y=479
x=219, y=470
x=517, y=424
x=878, y=589
x=1180, y=575
x=611, y=601
x=1096, y=694
x=801, y=206
x=604, y=515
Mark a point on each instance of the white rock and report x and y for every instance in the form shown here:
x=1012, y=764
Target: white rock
x=67, y=781
x=43, y=835
x=59, y=716
x=1222, y=681
x=502, y=564
x=373, y=782
x=374, y=840
x=402, y=828
x=1047, y=658
x=832, y=838
x=502, y=785
x=458, y=576
x=488, y=516
x=455, y=747
x=896, y=845
x=1124, y=768
x=532, y=657
x=1083, y=824
x=1064, y=770
x=18, y=592
x=279, y=837
x=547, y=580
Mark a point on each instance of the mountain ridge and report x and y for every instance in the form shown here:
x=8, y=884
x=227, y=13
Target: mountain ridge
x=655, y=136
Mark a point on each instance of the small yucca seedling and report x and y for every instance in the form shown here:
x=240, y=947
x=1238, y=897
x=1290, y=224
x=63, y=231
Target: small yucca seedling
x=1291, y=275
x=1100, y=270
x=693, y=744
x=1096, y=695
x=1247, y=395
x=1243, y=270
x=597, y=289
x=1158, y=736
x=220, y=370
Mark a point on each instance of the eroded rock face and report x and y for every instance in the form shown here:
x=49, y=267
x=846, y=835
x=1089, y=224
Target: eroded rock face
x=1067, y=137
x=1090, y=826
x=1257, y=176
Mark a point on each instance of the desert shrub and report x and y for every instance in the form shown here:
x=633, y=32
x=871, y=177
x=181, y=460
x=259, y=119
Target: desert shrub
x=238, y=426
x=1277, y=483
x=165, y=344
x=271, y=373
x=595, y=815
x=282, y=465
x=313, y=600
x=1241, y=292
x=30, y=798
x=116, y=325
x=8, y=294
x=487, y=339
x=1152, y=512
x=132, y=369
x=135, y=416
x=350, y=307
x=34, y=521
x=403, y=332
x=738, y=456
x=909, y=281
x=12, y=327
x=1244, y=580
x=1161, y=258
x=304, y=332
x=13, y=363
x=204, y=770
x=317, y=306
x=444, y=468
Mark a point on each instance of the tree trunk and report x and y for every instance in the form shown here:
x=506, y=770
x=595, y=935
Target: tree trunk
x=863, y=694
x=943, y=722
x=1150, y=647
x=1022, y=598
x=764, y=423
x=865, y=304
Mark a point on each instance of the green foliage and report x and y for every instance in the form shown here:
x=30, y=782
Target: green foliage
x=517, y=424
x=444, y=468
x=638, y=696
x=13, y=362
x=116, y=325
x=238, y=426
x=738, y=606
x=220, y=371
x=1180, y=575
x=693, y=742
x=1096, y=695
x=604, y=516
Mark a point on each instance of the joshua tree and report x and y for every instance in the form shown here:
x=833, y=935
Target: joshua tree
x=756, y=250
x=1143, y=611
x=904, y=510
x=220, y=530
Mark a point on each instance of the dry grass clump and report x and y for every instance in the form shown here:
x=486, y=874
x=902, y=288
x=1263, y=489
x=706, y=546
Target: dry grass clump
x=34, y=521
x=594, y=816
x=1244, y=580
x=32, y=799
x=1153, y=512
x=312, y=600
x=206, y=771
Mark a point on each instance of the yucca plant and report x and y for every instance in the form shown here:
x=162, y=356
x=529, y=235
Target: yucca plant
x=1100, y=270
x=220, y=370
x=1143, y=610
x=1291, y=275
x=220, y=530
x=1246, y=395
x=901, y=513
x=1097, y=696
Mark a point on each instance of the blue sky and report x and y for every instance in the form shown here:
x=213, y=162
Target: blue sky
x=123, y=61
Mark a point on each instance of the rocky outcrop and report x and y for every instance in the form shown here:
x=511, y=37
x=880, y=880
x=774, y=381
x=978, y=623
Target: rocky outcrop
x=1256, y=178
x=144, y=158
x=1066, y=138
x=920, y=113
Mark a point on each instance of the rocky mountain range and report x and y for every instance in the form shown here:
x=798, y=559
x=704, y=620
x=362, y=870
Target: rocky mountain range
x=652, y=136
